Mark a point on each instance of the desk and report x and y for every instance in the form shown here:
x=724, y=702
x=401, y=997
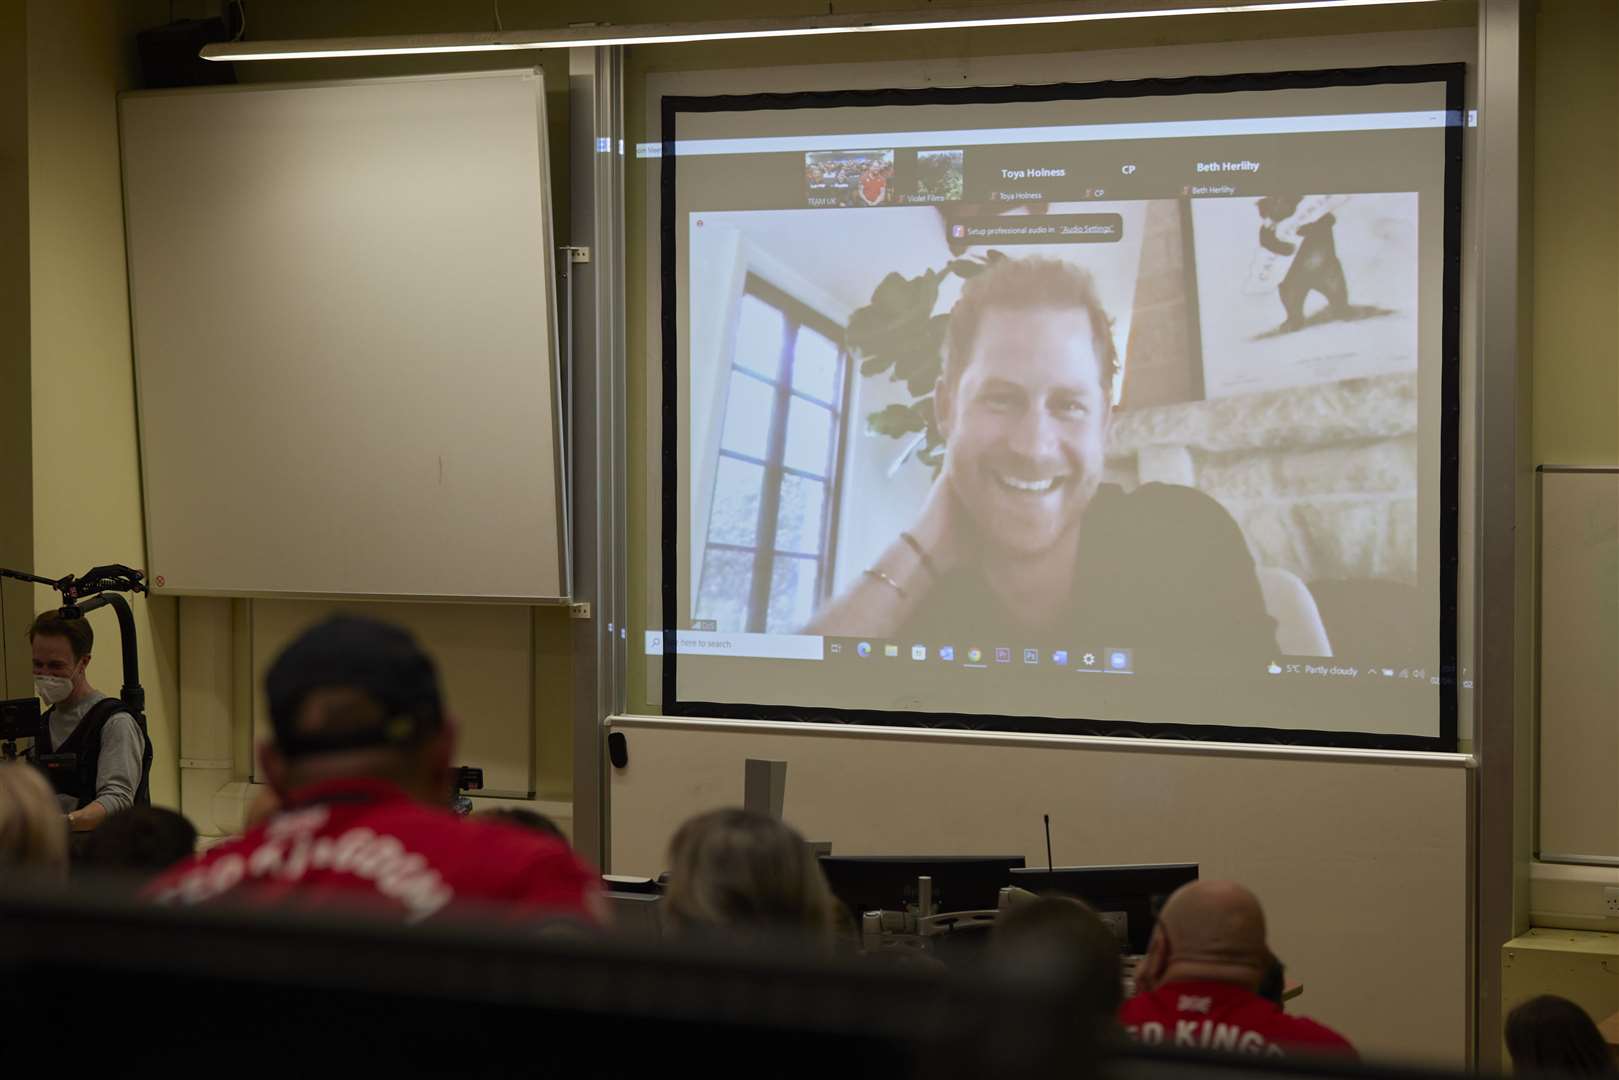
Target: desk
x=637, y=913
x=1581, y=965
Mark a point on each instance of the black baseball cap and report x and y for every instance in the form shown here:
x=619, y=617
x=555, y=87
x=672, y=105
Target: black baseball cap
x=379, y=659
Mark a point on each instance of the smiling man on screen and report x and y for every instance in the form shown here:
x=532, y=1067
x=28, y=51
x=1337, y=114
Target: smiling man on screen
x=361, y=765
x=1020, y=539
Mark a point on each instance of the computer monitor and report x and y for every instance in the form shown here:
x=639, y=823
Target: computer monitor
x=635, y=914
x=888, y=882
x=1135, y=891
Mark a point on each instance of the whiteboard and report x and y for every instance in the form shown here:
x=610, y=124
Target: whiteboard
x=1579, y=666
x=1360, y=858
x=342, y=301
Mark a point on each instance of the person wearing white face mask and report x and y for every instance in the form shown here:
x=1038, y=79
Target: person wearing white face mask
x=94, y=751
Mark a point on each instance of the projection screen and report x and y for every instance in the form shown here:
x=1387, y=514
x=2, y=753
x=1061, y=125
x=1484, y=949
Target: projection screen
x=1114, y=408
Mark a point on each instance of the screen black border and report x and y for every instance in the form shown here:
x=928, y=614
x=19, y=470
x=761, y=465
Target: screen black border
x=1453, y=76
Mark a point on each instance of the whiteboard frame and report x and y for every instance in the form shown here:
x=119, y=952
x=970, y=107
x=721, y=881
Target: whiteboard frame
x=1447, y=759
x=560, y=422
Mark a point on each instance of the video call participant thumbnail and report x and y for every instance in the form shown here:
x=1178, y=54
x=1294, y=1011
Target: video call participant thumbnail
x=362, y=763
x=1020, y=540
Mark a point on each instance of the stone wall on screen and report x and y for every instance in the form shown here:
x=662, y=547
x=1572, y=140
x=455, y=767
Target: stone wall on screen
x=1322, y=479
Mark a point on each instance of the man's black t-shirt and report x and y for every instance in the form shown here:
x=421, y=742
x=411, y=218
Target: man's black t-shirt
x=1163, y=571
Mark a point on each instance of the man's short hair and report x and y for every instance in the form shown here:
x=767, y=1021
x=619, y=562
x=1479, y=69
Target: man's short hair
x=1025, y=285
x=80, y=637
x=1070, y=932
x=373, y=684
x=142, y=839
x=524, y=818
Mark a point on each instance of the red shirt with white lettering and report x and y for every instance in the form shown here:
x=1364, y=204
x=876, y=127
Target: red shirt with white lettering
x=366, y=842
x=1222, y=1016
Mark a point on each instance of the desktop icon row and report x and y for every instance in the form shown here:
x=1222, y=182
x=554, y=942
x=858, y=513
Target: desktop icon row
x=1118, y=660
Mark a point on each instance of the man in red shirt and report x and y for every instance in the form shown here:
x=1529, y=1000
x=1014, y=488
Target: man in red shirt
x=361, y=766
x=1196, y=987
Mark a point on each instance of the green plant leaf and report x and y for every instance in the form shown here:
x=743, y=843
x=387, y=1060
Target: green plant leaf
x=897, y=304
x=914, y=365
x=875, y=364
x=896, y=421
x=897, y=332
x=921, y=380
x=919, y=369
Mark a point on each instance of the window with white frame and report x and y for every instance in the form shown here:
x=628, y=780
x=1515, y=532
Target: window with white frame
x=772, y=521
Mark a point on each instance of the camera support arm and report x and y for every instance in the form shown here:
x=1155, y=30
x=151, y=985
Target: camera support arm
x=99, y=587
x=131, y=693
x=23, y=575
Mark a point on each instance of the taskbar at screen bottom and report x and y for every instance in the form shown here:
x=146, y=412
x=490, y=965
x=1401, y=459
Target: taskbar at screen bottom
x=1394, y=707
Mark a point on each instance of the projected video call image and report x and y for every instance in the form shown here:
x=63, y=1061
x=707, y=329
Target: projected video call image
x=849, y=178
x=938, y=176
x=1029, y=443
x=1032, y=421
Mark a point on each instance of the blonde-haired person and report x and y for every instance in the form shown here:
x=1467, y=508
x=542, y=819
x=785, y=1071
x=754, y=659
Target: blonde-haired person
x=743, y=872
x=33, y=831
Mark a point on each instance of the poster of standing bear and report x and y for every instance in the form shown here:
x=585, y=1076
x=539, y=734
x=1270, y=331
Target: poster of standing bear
x=1297, y=290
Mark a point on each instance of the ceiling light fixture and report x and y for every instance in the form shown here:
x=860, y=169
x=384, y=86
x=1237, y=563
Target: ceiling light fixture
x=581, y=37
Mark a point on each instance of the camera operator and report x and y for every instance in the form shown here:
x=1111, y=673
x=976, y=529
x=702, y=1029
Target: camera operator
x=95, y=753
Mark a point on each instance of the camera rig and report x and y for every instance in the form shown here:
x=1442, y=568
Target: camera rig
x=97, y=587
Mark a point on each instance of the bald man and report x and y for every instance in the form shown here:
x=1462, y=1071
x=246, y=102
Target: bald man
x=1197, y=987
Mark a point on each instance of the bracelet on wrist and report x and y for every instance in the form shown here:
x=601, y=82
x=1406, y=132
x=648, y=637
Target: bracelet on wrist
x=878, y=575
x=922, y=554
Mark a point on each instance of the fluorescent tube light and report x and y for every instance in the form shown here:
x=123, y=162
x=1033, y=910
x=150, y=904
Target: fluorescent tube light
x=581, y=37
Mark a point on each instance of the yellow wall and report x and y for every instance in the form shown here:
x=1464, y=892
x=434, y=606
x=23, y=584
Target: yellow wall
x=86, y=476
x=273, y=19
x=1576, y=389
x=1576, y=265
x=16, y=483
x=1574, y=368
x=78, y=52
